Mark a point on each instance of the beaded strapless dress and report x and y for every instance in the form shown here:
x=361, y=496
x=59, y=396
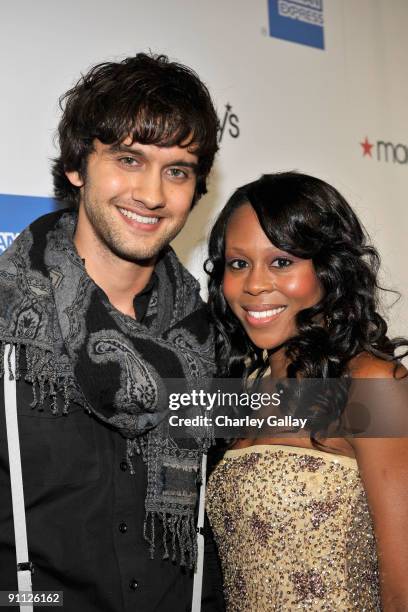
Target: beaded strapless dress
x=293, y=531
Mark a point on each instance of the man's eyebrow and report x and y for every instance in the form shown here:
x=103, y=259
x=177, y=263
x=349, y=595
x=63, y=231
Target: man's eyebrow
x=122, y=148
x=184, y=164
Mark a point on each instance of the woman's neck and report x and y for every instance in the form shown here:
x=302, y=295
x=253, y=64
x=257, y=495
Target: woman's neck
x=278, y=362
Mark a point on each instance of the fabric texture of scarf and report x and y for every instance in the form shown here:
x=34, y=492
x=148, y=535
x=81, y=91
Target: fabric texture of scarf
x=79, y=347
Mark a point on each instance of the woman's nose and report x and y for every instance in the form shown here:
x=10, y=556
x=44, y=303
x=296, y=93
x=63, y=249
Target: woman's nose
x=259, y=280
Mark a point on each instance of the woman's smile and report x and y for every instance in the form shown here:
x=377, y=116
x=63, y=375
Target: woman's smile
x=262, y=315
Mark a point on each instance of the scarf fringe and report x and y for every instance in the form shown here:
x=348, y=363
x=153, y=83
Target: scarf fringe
x=39, y=373
x=183, y=534
x=135, y=446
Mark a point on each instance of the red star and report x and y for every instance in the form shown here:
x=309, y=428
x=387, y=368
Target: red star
x=367, y=146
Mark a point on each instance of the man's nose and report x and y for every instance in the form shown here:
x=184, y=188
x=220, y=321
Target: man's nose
x=148, y=190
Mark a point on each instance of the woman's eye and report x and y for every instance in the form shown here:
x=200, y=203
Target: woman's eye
x=281, y=262
x=237, y=264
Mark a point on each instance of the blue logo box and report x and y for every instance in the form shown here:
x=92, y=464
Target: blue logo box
x=299, y=21
x=16, y=212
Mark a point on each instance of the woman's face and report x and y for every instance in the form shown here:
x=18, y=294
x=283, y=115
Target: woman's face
x=264, y=286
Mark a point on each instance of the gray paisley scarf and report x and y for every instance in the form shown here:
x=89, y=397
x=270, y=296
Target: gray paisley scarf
x=79, y=347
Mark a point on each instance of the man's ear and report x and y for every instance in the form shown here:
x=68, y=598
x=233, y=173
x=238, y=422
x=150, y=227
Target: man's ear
x=75, y=178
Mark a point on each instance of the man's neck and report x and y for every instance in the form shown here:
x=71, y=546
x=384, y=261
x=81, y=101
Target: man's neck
x=121, y=280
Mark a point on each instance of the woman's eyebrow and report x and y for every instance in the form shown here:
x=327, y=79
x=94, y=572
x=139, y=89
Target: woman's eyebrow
x=269, y=249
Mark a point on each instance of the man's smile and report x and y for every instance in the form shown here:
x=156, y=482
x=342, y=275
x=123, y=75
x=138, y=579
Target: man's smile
x=137, y=217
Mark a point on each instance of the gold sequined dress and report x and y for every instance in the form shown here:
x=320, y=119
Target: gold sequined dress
x=293, y=531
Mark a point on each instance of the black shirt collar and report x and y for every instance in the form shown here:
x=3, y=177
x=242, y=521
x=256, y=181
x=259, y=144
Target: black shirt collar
x=142, y=299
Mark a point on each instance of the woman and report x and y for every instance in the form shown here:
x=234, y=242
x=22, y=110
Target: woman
x=312, y=522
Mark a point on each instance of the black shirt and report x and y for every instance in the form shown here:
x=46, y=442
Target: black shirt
x=142, y=299
x=85, y=515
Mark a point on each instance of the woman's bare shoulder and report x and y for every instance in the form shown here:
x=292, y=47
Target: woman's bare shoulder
x=366, y=365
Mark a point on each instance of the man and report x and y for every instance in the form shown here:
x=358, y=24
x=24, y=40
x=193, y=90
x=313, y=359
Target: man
x=101, y=312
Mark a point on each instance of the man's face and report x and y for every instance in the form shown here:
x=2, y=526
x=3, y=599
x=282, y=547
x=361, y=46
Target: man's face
x=135, y=198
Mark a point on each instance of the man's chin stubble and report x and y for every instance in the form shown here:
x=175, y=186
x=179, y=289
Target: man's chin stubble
x=139, y=256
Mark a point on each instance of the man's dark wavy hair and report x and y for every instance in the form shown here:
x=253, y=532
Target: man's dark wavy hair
x=147, y=97
x=310, y=219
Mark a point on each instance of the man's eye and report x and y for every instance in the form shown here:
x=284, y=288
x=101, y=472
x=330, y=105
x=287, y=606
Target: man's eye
x=281, y=262
x=237, y=264
x=177, y=173
x=128, y=161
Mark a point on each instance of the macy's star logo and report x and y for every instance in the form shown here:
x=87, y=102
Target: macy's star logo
x=367, y=146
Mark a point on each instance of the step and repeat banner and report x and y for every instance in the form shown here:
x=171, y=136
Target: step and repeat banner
x=318, y=86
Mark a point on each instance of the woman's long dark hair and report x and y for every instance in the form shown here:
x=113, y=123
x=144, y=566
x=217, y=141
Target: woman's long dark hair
x=310, y=219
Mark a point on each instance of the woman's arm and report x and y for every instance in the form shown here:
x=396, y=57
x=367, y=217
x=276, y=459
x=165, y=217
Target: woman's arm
x=383, y=465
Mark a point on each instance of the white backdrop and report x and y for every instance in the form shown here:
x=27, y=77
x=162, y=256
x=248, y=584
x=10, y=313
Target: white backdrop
x=297, y=107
